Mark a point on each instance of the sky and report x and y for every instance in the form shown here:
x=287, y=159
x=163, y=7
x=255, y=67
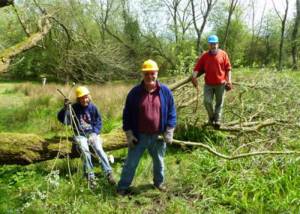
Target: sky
x=160, y=20
x=279, y=4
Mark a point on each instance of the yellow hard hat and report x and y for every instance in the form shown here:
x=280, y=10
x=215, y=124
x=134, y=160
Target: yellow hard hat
x=81, y=91
x=150, y=65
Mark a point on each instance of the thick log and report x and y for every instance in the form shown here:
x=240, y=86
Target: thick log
x=30, y=148
x=16, y=148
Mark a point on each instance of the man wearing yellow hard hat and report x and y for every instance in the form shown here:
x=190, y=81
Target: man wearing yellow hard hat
x=86, y=121
x=149, y=112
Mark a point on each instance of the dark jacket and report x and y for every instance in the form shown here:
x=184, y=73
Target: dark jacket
x=131, y=109
x=88, y=119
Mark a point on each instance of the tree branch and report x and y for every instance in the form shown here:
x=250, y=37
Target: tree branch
x=233, y=157
x=8, y=54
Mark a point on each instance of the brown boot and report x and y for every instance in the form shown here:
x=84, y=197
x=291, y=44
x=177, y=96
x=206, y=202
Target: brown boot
x=124, y=192
x=161, y=187
x=111, y=179
x=217, y=125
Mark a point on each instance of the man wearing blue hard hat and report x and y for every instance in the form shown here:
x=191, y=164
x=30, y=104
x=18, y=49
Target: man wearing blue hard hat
x=216, y=67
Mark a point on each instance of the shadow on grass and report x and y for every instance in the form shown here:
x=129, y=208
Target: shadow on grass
x=142, y=188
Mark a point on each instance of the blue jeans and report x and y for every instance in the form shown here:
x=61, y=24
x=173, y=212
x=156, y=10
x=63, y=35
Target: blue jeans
x=96, y=143
x=156, y=149
x=209, y=92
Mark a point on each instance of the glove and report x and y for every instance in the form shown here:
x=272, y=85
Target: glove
x=228, y=86
x=131, y=139
x=168, y=135
x=67, y=102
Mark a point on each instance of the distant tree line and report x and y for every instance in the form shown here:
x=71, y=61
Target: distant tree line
x=103, y=40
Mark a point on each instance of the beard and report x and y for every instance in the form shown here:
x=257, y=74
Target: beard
x=214, y=51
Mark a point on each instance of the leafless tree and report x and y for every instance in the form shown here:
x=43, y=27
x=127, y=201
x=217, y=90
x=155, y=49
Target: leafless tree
x=173, y=10
x=100, y=11
x=205, y=7
x=185, y=19
x=295, y=35
x=255, y=29
x=181, y=17
x=283, y=25
x=232, y=6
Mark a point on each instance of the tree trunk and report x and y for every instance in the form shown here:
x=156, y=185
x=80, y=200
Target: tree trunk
x=283, y=24
x=25, y=149
x=16, y=148
x=205, y=14
x=232, y=7
x=295, y=35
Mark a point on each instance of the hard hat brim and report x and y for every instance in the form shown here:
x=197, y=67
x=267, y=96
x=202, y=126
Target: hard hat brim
x=82, y=95
x=149, y=69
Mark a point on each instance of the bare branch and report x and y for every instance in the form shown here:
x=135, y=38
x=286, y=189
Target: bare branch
x=21, y=22
x=233, y=157
x=8, y=54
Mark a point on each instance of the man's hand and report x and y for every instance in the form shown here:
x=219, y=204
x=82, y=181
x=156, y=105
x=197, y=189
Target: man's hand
x=195, y=82
x=131, y=139
x=168, y=135
x=67, y=102
x=228, y=86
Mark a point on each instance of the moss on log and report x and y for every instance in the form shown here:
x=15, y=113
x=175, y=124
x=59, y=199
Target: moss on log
x=17, y=148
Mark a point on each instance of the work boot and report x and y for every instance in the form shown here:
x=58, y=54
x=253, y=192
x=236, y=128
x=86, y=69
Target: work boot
x=92, y=183
x=210, y=121
x=124, y=192
x=111, y=179
x=161, y=187
x=217, y=124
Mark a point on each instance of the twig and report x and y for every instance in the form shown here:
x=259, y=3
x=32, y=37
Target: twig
x=233, y=157
x=246, y=128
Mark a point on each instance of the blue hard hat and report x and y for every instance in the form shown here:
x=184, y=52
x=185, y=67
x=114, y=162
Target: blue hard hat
x=213, y=39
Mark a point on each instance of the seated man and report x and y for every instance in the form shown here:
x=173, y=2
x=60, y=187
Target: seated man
x=86, y=121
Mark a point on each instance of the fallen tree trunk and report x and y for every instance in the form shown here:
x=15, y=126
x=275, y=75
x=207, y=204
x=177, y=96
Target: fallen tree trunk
x=16, y=148
x=30, y=148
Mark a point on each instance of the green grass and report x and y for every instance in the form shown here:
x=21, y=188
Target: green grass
x=197, y=181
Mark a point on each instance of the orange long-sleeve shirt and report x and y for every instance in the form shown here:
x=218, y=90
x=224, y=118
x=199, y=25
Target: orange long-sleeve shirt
x=215, y=67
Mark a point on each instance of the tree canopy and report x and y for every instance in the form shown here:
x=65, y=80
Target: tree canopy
x=102, y=40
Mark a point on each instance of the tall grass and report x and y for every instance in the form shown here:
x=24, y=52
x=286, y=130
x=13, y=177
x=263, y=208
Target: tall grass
x=36, y=107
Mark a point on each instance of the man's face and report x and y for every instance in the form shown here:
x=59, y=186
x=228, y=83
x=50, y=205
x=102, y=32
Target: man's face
x=213, y=46
x=150, y=77
x=84, y=100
